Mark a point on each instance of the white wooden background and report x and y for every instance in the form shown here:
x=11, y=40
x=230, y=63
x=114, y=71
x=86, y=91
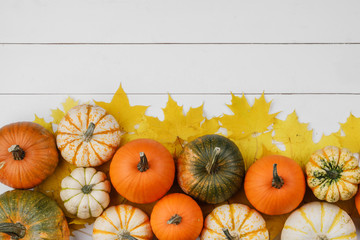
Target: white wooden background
x=304, y=55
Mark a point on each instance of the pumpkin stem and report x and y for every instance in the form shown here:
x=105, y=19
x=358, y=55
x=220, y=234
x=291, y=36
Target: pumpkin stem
x=322, y=237
x=176, y=219
x=143, y=165
x=227, y=234
x=89, y=132
x=277, y=181
x=125, y=235
x=86, y=189
x=211, y=167
x=17, y=152
x=15, y=230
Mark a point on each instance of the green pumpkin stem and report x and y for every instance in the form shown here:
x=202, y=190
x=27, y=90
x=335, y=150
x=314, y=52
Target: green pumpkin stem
x=176, y=219
x=227, y=234
x=89, y=132
x=125, y=235
x=143, y=165
x=15, y=230
x=17, y=152
x=277, y=181
x=86, y=189
x=211, y=167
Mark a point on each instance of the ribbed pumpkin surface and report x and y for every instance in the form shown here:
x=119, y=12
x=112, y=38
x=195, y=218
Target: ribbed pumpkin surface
x=319, y=221
x=333, y=174
x=40, y=215
x=122, y=222
x=88, y=136
x=238, y=220
x=212, y=183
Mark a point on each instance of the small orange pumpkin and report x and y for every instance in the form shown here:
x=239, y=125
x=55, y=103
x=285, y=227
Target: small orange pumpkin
x=275, y=185
x=28, y=154
x=176, y=216
x=142, y=171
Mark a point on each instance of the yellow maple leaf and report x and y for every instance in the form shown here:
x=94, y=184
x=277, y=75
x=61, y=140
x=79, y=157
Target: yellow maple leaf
x=127, y=116
x=351, y=129
x=296, y=137
x=43, y=123
x=58, y=114
x=177, y=128
x=250, y=126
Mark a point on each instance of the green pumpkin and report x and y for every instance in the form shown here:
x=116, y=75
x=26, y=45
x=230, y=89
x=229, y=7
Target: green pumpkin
x=29, y=215
x=210, y=168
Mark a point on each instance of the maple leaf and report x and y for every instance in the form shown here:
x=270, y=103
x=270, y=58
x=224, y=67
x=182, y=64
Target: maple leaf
x=127, y=116
x=351, y=129
x=250, y=126
x=43, y=123
x=296, y=137
x=58, y=114
x=177, y=128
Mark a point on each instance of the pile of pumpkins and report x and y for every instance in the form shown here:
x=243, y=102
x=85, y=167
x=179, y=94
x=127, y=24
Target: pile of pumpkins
x=210, y=169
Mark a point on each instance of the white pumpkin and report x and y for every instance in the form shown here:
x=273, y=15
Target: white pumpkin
x=234, y=222
x=319, y=221
x=122, y=222
x=88, y=136
x=85, y=192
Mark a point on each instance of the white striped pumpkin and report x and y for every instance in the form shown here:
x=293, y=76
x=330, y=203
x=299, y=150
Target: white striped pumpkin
x=234, y=222
x=319, y=221
x=85, y=192
x=122, y=222
x=88, y=136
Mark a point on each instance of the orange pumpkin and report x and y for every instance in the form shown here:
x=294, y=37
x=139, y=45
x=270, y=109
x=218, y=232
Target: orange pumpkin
x=357, y=201
x=28, y=154
x=142, y=171
x=275, y=185
x=176, y=216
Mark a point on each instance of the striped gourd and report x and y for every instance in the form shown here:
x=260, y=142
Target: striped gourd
x=88, y=136
x=85, y=192
x=319, y=221
x=234, y=222
x=333, y=174
x=122, y=222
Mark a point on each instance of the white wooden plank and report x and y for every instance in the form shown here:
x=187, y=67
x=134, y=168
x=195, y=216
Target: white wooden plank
x=100, y=69
x=187, y=21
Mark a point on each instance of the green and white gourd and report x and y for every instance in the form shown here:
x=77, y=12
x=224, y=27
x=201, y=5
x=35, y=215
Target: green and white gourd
x=85, y=192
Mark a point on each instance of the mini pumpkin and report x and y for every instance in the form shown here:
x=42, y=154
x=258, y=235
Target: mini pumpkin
x=122, y=222
x=333, y=174
x=234, y=222
x=275, y=185
x=85, y=192
x=28, y=154
x=176, y=216
x=210, y=168
x=88, y=136
x=30, y=215
x=142, y=171
x=319, y=221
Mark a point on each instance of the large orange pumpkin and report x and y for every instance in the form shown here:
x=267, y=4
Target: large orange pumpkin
x=142, y=170
x=275, y=185
x=28, y=154
x=176, y=217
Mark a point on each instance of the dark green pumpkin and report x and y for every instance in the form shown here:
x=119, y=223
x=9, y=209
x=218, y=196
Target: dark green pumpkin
x=27, y=215
x=210, y=168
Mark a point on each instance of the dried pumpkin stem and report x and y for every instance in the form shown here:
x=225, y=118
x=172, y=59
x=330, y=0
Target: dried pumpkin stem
x=143, y=165
x=89, y=132
x=176, y=219
x=15, y=230
x=86, y=189
x=277, y=181
x=17, y=152
x=227, y=234
x=322, y=237
x=211, y=167
x=125, y=235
